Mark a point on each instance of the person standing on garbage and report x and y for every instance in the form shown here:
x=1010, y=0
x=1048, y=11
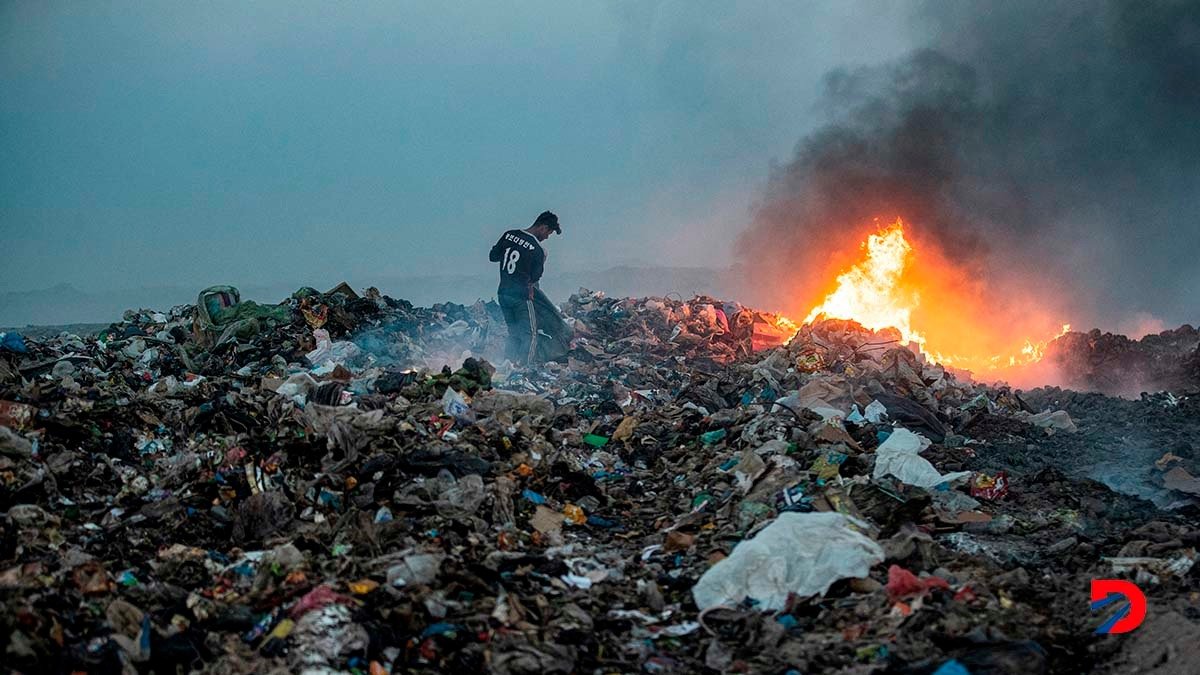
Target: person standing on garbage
x=522, y=260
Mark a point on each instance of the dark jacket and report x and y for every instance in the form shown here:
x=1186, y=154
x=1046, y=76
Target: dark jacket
x=522, y=260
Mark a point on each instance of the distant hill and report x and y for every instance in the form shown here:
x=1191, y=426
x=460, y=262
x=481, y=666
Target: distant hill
x=66, y=304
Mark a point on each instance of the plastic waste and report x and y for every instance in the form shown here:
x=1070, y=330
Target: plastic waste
x=875, y=412
x=774, y=446
x=329, y=351
x=984, y=486
x=325, y=638
x=952, y=667
x=18, y=416
x=415, y=568
x=855, y=417
x=904, y=584
x=1057, y=420
x=798, y=553
x=457, y=406
x=899, y=456
x=499, y=400
x=12, y=341
x=462, y=497
x=595, y=440
x=798, y=402
x=13, y=444
x=300, y=385
x=574, y=514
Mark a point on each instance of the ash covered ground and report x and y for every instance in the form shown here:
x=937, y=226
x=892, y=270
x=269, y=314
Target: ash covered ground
x=304, y=486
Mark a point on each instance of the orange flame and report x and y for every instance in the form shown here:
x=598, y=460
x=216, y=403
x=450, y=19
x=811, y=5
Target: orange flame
x=786, y=324
x=885, y=290
x=870, y=292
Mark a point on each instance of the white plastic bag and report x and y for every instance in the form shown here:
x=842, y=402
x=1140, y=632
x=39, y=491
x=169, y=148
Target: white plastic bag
x=1054, y=419
x=298, y=385
x=875, y=412
x=795, y=402
x=899, y=456
x=800, y=553
x=457, y=406
x=329, y=351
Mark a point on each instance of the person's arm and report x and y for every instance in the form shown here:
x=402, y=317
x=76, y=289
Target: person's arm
x=536, y=267
x=497, y=251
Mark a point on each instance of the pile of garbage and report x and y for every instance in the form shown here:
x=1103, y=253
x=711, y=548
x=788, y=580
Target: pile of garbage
x=1115, y=364
x=350, y=483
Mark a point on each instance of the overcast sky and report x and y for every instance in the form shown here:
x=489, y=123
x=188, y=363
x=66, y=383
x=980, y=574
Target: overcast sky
x=144, y=144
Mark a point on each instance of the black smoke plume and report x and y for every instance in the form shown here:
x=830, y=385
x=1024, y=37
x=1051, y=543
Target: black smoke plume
x=1050, y=148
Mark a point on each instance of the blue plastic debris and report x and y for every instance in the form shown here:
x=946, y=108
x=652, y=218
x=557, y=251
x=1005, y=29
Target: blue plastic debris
x=952, y=667
x=330, y=499
x=13, y=342
x=440, y=629
x=597, y=521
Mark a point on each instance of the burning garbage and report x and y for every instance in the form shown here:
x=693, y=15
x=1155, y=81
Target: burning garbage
x=887, y=287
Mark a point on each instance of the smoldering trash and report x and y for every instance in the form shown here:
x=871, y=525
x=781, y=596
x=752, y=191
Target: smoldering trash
x=345, y=483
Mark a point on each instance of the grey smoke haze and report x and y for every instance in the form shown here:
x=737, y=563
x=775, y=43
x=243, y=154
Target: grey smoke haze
x=186, y=144
x=273, y=144
x=1052, y=148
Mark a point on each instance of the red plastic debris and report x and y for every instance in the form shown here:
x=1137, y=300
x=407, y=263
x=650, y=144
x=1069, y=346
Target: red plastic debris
x=903, y=584
x=319, y=597
x=988, y=487
x=15, y=415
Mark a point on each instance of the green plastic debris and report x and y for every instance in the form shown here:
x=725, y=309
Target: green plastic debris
x=596, y=440
x=249, y=309
x=710, y=437
x=750, y=513
x=755, y=508
x=871, y=653
x=221, y=315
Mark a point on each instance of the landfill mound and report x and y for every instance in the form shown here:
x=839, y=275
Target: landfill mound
x=241, y=488
x=1114, y=364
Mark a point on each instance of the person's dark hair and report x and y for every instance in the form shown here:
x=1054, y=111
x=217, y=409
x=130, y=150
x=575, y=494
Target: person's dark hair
x=548, y=219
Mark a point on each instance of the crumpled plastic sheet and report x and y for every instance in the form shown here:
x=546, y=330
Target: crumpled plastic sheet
x=1058, y=420
x=899, y=456
x=324, y=639
x=328, y=350
x=799, y=553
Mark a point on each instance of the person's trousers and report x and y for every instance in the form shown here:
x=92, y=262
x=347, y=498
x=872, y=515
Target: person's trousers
x=521, y=319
